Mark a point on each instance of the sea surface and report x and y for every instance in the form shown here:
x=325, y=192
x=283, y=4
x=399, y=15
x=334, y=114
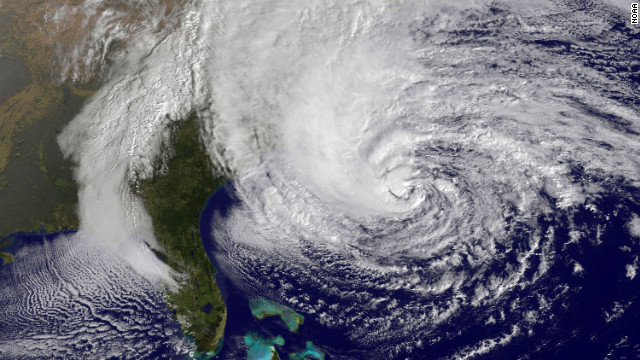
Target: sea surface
x=240, y=321
x=594, y=312
x=67, y=296
x=419, y=179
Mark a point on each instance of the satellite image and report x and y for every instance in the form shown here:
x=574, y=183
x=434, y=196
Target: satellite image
x=319, y=179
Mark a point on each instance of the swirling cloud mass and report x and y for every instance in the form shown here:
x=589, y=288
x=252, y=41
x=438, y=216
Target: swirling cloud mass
x=406, y=171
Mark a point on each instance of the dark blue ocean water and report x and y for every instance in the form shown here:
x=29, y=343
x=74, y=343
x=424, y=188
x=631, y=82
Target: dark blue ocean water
x=240, y=321
x=593, y=313
x=593, y=316
x=63, y=297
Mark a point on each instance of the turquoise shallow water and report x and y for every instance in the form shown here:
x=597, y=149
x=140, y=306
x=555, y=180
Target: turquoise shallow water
x=310, y=352
x=261, y=308
x=256, y=326
x=260, y=348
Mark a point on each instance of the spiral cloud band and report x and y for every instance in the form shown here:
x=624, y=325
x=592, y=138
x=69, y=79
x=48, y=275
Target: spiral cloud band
x=403, y=169
x=419, y=165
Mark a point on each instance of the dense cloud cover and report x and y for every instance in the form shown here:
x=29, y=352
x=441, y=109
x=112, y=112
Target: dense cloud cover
x=414, y=163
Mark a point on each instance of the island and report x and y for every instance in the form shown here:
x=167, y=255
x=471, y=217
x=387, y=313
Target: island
x=260, y=348
x=262, y=308
x=310, y=352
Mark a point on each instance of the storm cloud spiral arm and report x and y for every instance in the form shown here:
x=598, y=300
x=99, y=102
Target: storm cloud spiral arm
x=420, y=179
x=433, y=170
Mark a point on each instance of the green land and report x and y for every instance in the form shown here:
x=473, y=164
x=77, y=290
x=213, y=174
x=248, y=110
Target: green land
x=262, y=308
x=7, y=258
x=37, y=189
x=174, y=199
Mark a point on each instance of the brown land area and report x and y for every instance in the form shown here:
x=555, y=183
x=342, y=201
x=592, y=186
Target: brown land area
x=36, y=184
x=37, y=190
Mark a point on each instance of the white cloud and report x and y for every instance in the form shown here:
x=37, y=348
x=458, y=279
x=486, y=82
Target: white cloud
x=120, y=130
x=634, y=226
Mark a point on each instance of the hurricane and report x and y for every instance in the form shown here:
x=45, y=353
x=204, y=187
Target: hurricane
x=421, y=179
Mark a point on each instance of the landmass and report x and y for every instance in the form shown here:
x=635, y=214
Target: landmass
x=39, y=97
x=260, y=348
x=6, y=258
x=174, y=199
x=36, y=183
x=311, y=351
x=37, y=189
x=262, y=308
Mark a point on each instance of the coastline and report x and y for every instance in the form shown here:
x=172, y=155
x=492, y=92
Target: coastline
x=205, y=223
x=238, y=313
x=13, y=242
x=242, y=322
x=174, y=196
